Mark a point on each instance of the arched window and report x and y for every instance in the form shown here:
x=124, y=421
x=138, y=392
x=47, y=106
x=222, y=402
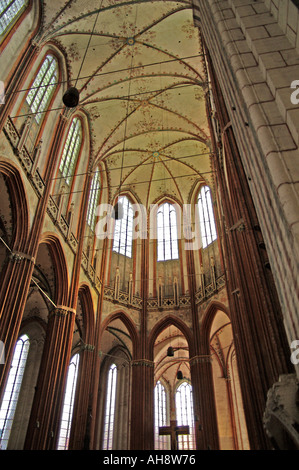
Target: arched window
x=110, y=408
x=184, y=414
x=93, y=199
x=12, y=389
x=9, y=12
x=167, y=233
x=68, y=404
x=123, y=230
x=206, y=217
x=71, y=150
x=43, y=87
x=160, y=403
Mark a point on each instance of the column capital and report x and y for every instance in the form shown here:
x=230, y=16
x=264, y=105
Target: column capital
x=143, y=363
x=62, y=311
x=203, y=358
x=17, y=257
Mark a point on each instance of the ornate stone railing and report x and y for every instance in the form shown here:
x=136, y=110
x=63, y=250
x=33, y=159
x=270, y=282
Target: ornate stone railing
x=210, y=289
x=122, y=298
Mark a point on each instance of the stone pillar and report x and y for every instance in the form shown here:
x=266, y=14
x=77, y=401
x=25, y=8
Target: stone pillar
x=261, y=345
x=205, y=419
x=142, y=403
x=17, y=273
x=13, y=295
x=80, y=432
x=44, y=420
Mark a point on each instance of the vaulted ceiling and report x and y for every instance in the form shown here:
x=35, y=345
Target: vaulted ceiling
x=138, y=66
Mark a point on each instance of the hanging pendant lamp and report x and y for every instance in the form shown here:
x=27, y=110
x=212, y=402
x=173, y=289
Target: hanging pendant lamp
x=118, y=212
x=170, y=351
x=179, y=375
x=71, y=97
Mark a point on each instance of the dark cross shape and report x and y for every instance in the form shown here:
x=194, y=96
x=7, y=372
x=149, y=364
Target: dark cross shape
x=173, y=430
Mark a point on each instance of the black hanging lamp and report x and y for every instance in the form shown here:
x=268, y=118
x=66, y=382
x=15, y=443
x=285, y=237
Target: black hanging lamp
x=71, y=96
x=118, y=212
x=170, y=351
x=179, y=375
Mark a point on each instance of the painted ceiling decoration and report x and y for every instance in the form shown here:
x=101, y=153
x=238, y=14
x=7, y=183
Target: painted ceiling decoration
x=139, y=70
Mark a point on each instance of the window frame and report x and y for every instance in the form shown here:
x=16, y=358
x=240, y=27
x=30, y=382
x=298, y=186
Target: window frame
x=206, y=213
x=14, y=18
x=185, y=442
x=14, y=381
x=94, y=196
x=38, y=99
x=110, y=407
x=68, y=408
x=71, y=150
x=161, y=416
x=172, y=253
x=123, y=230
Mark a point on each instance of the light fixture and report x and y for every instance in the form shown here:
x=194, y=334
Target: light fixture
x=71, y=96
x=118, y=212
x=170, y=351
x=179, y=375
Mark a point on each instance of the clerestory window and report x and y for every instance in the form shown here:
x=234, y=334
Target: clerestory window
x=206, y=217
x=71, y=150
x=43, y=87
x=9, y=12
x=123, y=230
x=167, y=233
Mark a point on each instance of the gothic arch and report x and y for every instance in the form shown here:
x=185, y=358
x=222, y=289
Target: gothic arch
x=162, y=325
x=87, y=312
x=206, y=324
x=120, y=315
x=58, y=259
x=19, y=205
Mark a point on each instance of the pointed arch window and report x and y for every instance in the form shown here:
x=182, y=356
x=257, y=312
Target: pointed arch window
x=123, y=230
x=12, y=389
x=71, y=150
x=160, y=403
x=43, y=87
x=93, y=199
x=206, y=217
x=184, y=414
x=68, y=403
x=167, y=233
x=9, y=12
x=110, y=408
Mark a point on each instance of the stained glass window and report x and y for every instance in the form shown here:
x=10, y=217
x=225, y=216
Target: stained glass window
x=68, y=404
x=43, y=87
x=110, y=408
x=71, y=150
x=9, y=11
x=12, y=389
x=184, y=414
x=93, y=199
x=160, y=403
x=167, y=233
x=123, y=230
x=206, y=217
